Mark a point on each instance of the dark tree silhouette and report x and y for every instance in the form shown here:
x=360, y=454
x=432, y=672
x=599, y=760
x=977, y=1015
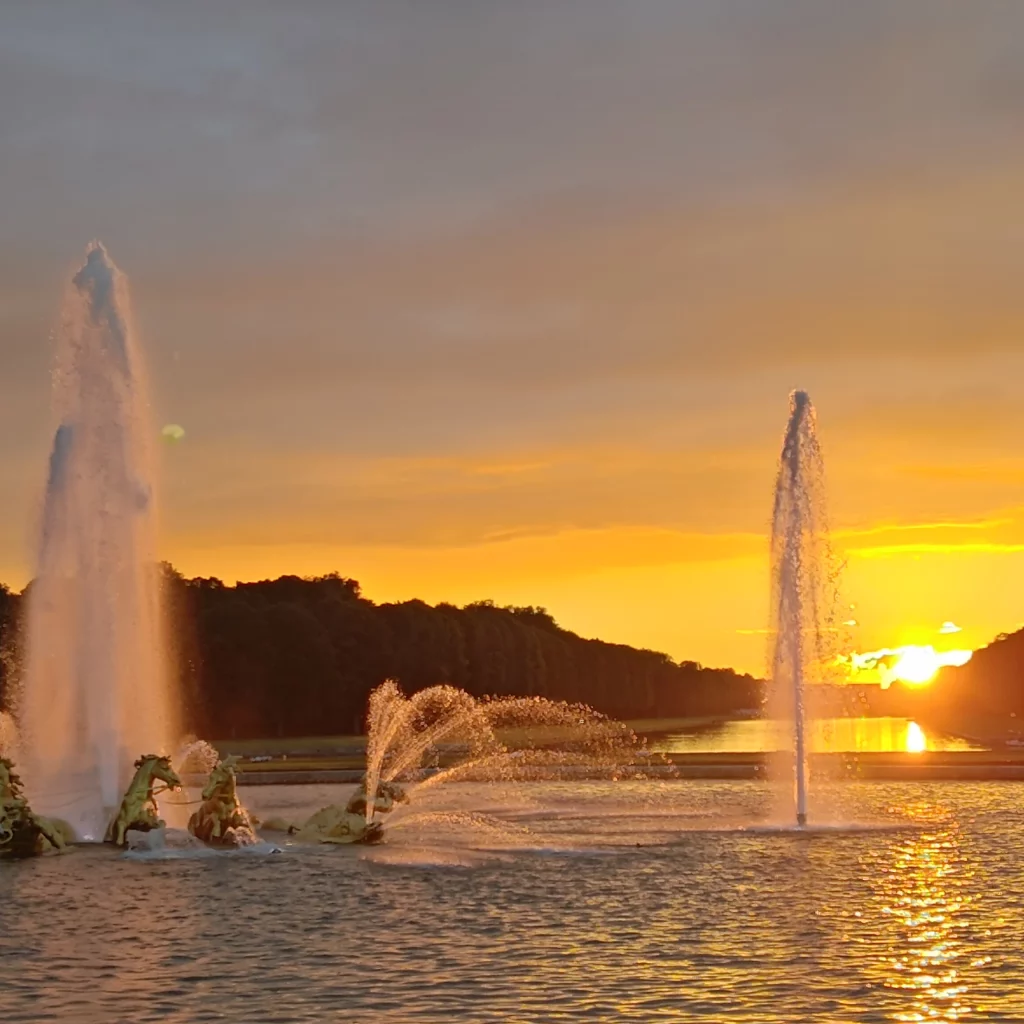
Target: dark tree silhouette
x=295, y=656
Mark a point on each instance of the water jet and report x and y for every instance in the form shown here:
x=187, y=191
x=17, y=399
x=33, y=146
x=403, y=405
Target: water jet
x=442, y=734
x=96, y=688
x=801, y=597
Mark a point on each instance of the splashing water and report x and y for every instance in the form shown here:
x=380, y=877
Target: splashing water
x=802, y=598
x=97, y=694
x=195, y=757
x=443, y=734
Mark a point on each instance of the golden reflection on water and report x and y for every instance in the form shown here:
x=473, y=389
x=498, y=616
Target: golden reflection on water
x=128, y=931
x=915, y=740
x=924, y=892
x=852, y=735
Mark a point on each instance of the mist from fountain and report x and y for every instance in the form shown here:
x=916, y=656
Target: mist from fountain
x=803, y=584
x=443, y=734
x=96, y=691
x=195, y=757
x=10, y=746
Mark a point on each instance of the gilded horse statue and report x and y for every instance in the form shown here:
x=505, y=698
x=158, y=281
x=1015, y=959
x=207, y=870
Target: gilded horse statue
x=138, y=809
x=22, y=832
x=221, y=820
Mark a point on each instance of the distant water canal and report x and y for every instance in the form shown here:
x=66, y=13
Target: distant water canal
x=835, y=735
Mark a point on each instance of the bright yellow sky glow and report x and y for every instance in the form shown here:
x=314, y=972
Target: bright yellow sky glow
x=508, y=304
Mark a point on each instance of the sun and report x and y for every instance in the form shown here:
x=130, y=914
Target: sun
x=919, y=665
x=913, y=664
x=916, y=665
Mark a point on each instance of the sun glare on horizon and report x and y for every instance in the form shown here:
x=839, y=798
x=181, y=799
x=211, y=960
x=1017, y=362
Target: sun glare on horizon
x=913, y=664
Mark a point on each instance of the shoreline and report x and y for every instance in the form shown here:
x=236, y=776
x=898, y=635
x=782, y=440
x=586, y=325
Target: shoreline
x=946, y=766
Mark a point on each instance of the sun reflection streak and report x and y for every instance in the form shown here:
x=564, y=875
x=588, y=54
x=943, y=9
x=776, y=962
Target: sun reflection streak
x=924, y=894
x=915, y=742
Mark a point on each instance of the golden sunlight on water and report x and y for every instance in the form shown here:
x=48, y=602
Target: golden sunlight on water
x=827, y=735
x=634, y=901
x=923, y=892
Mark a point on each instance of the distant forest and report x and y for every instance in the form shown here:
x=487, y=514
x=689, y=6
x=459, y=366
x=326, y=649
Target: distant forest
x=296, y=656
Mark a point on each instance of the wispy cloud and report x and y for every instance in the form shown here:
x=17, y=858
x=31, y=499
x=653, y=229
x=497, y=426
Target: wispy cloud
x=885, y=551
x=998, y=535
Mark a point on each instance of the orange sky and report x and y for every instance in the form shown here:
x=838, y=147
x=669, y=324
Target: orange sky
x=508, y=303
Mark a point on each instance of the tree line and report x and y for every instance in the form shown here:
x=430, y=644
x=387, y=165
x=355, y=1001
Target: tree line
x=298, y=656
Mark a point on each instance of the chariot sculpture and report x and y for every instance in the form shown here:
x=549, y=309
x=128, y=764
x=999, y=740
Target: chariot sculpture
x=23, y=833
x=351, y=824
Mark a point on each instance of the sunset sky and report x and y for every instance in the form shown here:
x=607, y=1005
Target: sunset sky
x=505, y=299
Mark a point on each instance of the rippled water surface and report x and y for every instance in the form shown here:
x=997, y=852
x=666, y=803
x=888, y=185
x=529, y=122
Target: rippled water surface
x=540, y=906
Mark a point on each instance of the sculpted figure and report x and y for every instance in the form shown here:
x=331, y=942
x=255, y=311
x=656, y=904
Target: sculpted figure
x=138, y=809
x=22, y=832
x=388, y=794
x=221, y=820
x=333, y=824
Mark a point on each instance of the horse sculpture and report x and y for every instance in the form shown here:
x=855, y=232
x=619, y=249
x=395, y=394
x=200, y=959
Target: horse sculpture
x=22, y=832
x=333, y=824
x=138, y=809
x=221, y=820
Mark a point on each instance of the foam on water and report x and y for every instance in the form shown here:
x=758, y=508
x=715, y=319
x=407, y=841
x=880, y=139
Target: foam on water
x=433, y=857
x=201, y=852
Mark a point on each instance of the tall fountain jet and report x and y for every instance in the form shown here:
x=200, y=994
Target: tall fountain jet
x=801, y=602
x=97, y=692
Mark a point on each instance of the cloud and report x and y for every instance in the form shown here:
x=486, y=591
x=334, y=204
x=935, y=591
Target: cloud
x=999, y=535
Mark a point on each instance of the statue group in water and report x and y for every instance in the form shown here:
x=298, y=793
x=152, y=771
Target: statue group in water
x=23, y=833
x=219, y=821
